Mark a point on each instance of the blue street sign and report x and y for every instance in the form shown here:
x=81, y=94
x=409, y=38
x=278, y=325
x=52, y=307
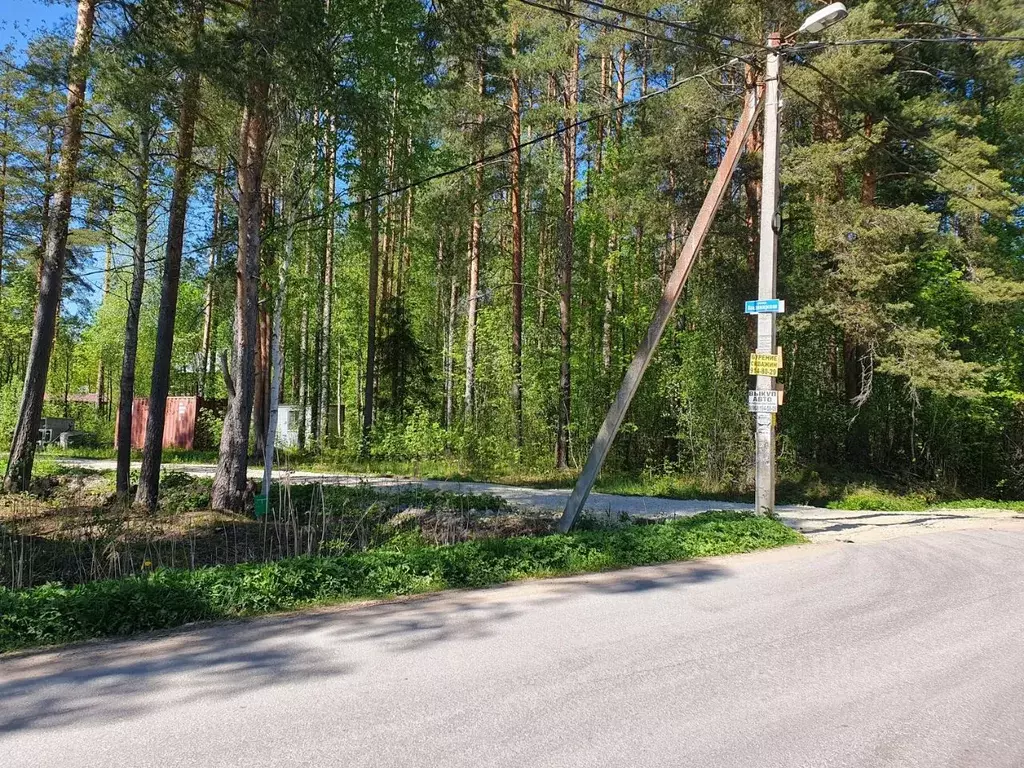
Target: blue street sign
x=765, y=306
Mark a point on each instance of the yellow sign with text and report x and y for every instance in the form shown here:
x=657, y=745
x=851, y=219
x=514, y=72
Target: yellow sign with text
x=765, y=365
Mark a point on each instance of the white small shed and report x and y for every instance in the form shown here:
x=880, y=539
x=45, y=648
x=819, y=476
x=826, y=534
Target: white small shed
x=288, y=424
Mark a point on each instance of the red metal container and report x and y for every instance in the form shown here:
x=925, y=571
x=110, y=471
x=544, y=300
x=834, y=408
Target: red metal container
x=180, y=422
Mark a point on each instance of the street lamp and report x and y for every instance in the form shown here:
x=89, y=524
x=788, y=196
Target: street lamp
x=764, y=400
x=823, y=19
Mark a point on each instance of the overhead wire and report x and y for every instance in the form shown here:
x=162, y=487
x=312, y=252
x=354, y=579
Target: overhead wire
x=970, y=39
x=493, y=157
x=488, y=159
x=921, y=142
x=682, y=26
x=881, y=146
x=622, y=28
x=694, y=46
x=907, y=135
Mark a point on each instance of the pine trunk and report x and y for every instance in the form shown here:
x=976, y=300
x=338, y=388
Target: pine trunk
x=565, y=262
x=475, y=235
x=449, y=356
x=229, y=484
x=618, y=68
x=30, y=411
x=371, y=328
x=261, y=387
x=149, y=475
x=210, y=297
x=131, y=327
x=328, y=289
x=276, y=358
x=339, y=408
x=303, y=362
x=3, y=192
x=515, y=199
x=261, y=392
x=48, y=192
x=101, y=372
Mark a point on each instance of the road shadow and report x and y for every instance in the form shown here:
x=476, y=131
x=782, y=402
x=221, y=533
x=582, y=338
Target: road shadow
x=405, y=627
x=840, y=524
x=120, y=681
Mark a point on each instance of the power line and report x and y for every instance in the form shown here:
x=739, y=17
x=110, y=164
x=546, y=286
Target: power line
x=906, y=163
x=487, y=159
x=672, y=24
x=969, y=39
x=632, y=30
x=906, y=134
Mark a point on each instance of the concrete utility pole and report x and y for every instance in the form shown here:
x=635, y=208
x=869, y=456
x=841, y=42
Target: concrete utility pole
x=764, y=401
x=764, y=484
x=765, y=363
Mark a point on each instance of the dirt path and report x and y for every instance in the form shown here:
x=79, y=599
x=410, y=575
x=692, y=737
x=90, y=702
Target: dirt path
x=817, y=523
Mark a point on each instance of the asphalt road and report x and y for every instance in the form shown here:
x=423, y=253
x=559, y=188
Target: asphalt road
x=907, y=651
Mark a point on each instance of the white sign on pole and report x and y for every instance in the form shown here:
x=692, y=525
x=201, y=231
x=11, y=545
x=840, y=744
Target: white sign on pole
x=763, y=401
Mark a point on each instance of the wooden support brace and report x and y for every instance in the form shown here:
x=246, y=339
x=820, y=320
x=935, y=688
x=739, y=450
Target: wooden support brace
x=669, y=298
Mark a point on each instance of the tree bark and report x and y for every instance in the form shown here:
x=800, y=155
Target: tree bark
x=449, y=356
x=857, y=358
x=618, y=69
x=303, y=362
x=152, y=455
x=515, y=201
x=570, y=97
x=261, y=391
x=229, y=483
x=101, y=372
x=48, y=193
x=328, y=287
x=371, y=328
x=475, y=236
x=210, y=298
x=3, y=191
x=339, y=408
x=23, y=443
x=276, y=360
x=609, y=299
x=131, y=326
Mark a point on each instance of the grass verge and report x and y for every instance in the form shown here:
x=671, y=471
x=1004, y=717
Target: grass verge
x=53, y=614
x=835, y=489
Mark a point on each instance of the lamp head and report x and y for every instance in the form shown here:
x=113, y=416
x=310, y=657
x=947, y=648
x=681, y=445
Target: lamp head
x=824, y=18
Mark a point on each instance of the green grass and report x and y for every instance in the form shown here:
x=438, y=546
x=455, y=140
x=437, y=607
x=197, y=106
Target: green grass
x=869, y=498
x=1012, y=506
x=828, y=488
x=873, y=499
x=169, y=456
x=53, y=614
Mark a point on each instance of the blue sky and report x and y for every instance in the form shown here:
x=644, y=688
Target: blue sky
x=20, y=19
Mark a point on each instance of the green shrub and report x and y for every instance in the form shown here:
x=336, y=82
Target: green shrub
x=168, y=598
x=868, y=498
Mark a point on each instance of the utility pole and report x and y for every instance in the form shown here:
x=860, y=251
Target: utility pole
x=767, y=267
x=765, y=363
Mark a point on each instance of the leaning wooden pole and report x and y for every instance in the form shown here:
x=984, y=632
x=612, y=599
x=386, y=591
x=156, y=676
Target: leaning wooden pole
x=673, y=289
